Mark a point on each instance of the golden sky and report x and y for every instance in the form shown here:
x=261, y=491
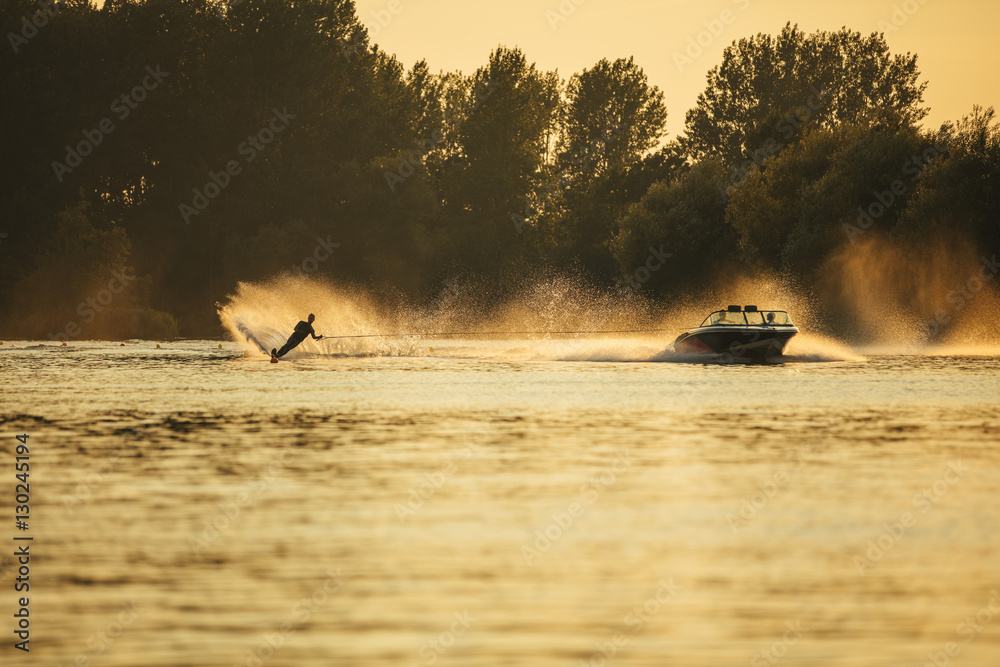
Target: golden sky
x=955, y=39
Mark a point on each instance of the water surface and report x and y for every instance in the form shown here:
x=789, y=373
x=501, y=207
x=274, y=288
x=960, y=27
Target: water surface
x=504, y=503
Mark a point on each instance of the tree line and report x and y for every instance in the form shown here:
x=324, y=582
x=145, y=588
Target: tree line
x=176, y=148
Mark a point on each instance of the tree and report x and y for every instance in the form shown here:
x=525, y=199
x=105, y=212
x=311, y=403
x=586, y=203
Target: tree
x=427, y=91
x=612, y=118
x=295, y=132
x=676, y=237
x=960, y=190
x=81, y=284
x=498, y=124
x=767, y=87
x=825, y=192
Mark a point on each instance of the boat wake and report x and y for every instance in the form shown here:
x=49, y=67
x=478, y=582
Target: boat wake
x=356, y=324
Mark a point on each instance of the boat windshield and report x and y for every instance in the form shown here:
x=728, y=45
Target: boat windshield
x=775, y=318
x=724, y=317
x=770, y=318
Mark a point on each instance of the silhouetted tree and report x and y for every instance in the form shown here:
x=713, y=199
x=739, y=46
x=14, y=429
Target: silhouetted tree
x=499, y=123
x=832, y=187
x=767, y=87
x=206, y=142
x=960, y=191
x=676, y=236
x=612, y=117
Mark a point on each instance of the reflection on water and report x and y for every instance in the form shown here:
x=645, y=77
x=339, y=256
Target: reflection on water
x=492, y=505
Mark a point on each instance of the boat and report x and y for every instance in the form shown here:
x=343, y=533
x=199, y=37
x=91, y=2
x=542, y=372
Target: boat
x=742, y=332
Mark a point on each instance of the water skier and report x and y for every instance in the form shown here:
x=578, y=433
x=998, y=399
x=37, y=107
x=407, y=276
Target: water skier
x=302, y=329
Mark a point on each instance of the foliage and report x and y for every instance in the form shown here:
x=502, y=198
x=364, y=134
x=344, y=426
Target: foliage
x=960, y=192
x=685, y=218
x=823, y=78
x=831, y=187
x=206, y=142
x=499, y=124
x=612, y=117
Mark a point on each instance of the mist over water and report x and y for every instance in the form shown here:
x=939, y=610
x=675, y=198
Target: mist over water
x=938, y=296
x=763, y=492
x=891, y=310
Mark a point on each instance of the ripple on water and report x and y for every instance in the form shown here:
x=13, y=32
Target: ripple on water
x=366, y=502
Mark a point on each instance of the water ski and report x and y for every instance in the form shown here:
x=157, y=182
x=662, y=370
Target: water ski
x=251, y=338
x=274, y=355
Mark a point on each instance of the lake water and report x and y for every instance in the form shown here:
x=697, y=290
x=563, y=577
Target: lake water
x=503, y=503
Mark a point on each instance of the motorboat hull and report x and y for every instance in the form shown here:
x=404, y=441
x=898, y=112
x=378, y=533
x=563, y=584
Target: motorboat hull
x=750, y=342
